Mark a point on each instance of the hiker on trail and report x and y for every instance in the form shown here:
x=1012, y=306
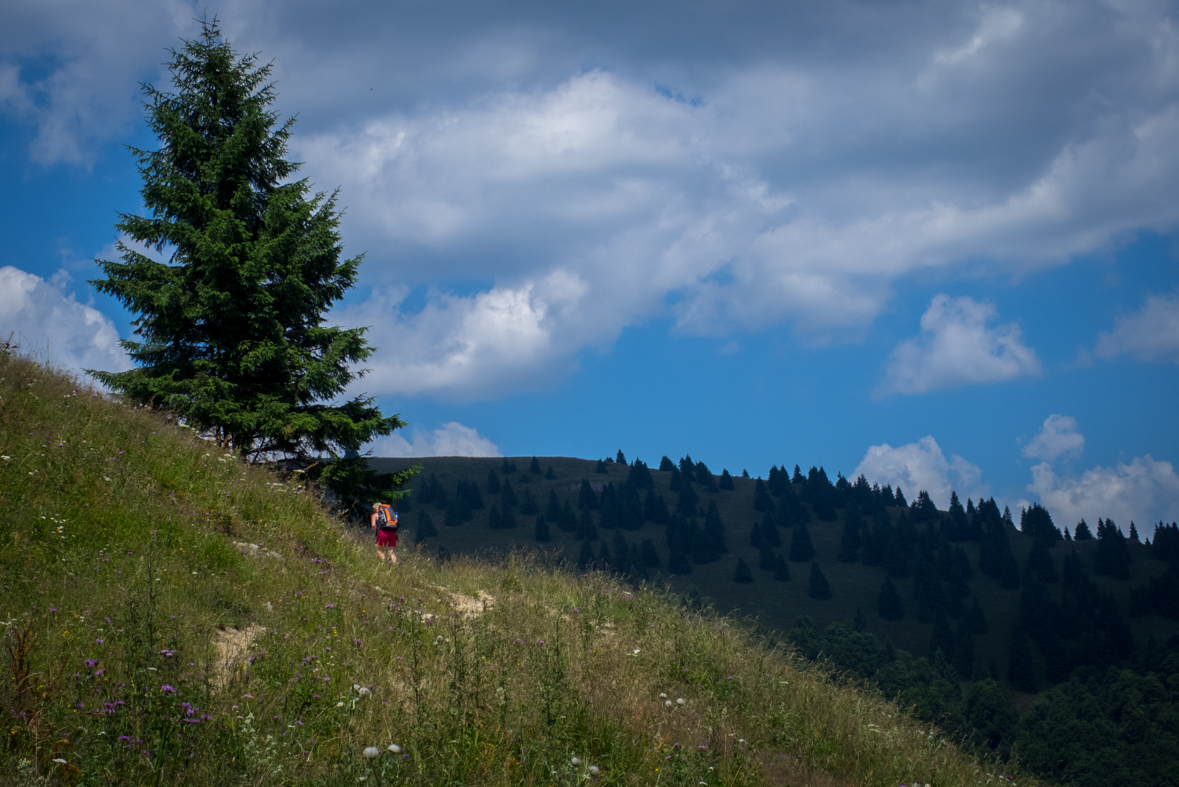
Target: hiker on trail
x=384, y=522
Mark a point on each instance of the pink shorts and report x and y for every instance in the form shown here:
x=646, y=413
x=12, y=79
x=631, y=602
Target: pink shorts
x=386, y=538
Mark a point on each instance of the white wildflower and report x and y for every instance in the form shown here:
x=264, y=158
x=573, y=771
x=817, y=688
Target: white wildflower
x=393, y=747
x=594, y=770
x=575, y=760
x=371, y=752
x=679, y=700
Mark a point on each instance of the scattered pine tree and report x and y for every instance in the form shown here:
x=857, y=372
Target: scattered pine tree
x=742, y=574
x=781, y=570
x=818, y=587
x=801, y=548
x=425, y=528
x=888, y=602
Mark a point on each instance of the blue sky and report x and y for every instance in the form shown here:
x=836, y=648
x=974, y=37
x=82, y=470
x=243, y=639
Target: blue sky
x=932, y=242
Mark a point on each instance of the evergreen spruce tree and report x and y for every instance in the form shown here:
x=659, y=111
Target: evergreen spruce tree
x=425, y=528
x=585, y=526
x=586, y=557
x=1021, y=672
x=1082, y=532
x=666, y=465
x=714, y=530
x=610, y=518
x=963, y=658
x=528, y=503
x=781, y=570
x=605, y=559
x=761, y=497
x=801, y=548
x=769, y=531
x=441, y=499
x=542, y=530
x=649, y=555
x=454, y=516
x=549, y=474
x=957, y=523
x=726, y=481
x=494, y=520
x=621, y=553
x=678, y=561
x=850, y=538
x=600, y=467
x=508, y=495
x=895, y=563
x=767, y=560
x=742, y=574
x=942, y=637
x=687, y=500
x=231, y=327
x=493, y=485
x=585, y=495
x=1008, y=570
x=818, y=587
x=566, y=519
x=1040, y=562
x=507, y=520
x=534, y=467
x=621, y=458
x=552, y=511
x=655, y=509
x=888, y=602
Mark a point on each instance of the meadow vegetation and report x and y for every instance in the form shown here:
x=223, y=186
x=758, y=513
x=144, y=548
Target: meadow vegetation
x=176, y=616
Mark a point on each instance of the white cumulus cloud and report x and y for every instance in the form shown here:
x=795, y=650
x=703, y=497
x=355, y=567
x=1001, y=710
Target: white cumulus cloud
x=956, y=347
x=732, y=176
x=1143, y=491
x=1150, y=334
x=450, y=439
x=1058, y=437
x=921, y=466
x=48, y=323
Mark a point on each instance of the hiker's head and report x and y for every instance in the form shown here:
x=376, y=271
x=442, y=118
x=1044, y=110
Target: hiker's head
x=376, y=506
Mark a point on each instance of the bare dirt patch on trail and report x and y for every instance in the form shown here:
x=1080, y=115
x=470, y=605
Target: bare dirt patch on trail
x=233, y=652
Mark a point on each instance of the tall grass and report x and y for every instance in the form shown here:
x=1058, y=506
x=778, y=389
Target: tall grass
x=127, y=574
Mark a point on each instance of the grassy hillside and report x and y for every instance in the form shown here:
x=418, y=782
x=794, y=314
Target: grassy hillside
x=176, y=617
x=774, y=605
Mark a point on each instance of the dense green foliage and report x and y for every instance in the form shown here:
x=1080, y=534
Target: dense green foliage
x=231, y=327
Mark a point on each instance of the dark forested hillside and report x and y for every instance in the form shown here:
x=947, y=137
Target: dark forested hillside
x=990, y=623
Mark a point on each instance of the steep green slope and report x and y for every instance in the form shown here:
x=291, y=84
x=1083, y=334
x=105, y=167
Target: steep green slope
x=176, y=617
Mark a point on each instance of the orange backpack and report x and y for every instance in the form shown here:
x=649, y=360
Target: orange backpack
x=386, y=519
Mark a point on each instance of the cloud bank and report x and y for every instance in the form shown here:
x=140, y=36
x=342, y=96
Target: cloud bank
x=560, y=173
x=450, y=439
x=46, y=322
x=1143, y=491
x=1057, y=437
x=957, y=348
x=921, y=466
x=1150, y=334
